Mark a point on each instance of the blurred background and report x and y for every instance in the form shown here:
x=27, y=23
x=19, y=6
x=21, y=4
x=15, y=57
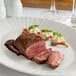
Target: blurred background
x=60, y=4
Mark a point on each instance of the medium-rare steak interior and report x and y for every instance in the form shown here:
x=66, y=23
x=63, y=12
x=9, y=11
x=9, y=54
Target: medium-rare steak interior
x=29, y=44
x=55, y=59
x=42, y=57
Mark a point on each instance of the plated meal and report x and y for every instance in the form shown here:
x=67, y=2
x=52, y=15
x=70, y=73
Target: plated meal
x=37, y=49
x=31, y=43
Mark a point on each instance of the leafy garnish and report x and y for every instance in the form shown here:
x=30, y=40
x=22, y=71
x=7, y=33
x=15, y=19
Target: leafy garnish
x=33, y=26
x=46, y=30
x=57, y=34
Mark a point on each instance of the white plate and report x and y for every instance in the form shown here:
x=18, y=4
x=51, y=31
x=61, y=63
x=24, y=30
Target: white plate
x=10, y=28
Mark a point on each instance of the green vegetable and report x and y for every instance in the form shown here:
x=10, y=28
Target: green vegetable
x=57, y=34
x=46, y=30
x=33, y=26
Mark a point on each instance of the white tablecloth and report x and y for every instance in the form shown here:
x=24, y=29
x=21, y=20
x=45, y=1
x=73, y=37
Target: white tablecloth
x=33, y=12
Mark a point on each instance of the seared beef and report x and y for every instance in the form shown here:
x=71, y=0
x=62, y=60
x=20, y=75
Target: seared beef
x=33, y=47
x=9, y=45
x=29, y=44
x=42, y=56
x=55, y=59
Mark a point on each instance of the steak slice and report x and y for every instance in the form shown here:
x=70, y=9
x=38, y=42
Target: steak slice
x=35, y=49
x=55, y=59
x=42, y=56
x=29, y=44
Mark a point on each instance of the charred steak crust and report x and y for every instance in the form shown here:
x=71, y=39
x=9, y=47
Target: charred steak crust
x=18, y=44
x=27, y=42
x=29, y=38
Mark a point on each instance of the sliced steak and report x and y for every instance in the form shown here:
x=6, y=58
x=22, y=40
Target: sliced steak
x=55, y=59
x=9, y=45
x=42, y=56
x=29, y=44
x=35, y=49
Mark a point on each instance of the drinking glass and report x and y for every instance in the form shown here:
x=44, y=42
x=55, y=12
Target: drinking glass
x=52, y=7
x=52, y=13
x=73, y=18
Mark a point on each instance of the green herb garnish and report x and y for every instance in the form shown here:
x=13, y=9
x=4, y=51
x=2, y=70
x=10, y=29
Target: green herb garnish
x=57, y=34
x=46, y=30
x=33, y=26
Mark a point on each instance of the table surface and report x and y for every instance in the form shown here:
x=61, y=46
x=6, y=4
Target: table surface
x=33, y=12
